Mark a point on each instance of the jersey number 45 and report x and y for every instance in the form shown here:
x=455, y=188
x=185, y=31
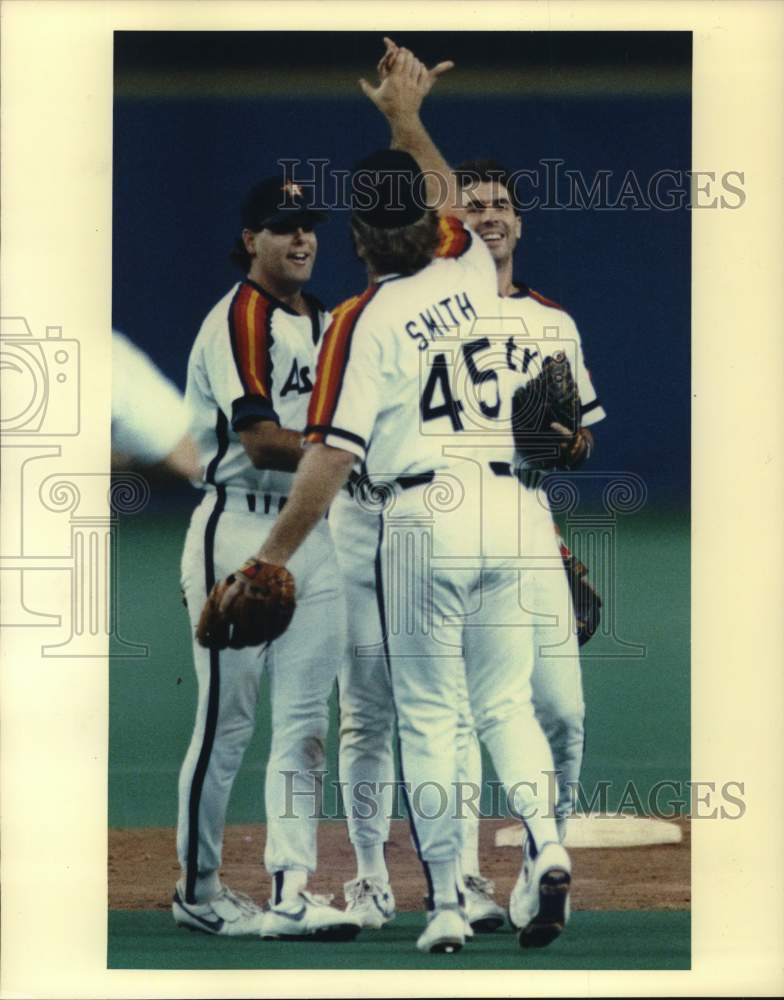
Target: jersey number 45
x=479, y=386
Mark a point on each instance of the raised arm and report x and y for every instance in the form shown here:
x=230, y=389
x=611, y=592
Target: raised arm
x=404, y=84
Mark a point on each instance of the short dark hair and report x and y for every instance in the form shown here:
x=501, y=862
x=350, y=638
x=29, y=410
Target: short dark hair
x=486, y=170
x=403, y=250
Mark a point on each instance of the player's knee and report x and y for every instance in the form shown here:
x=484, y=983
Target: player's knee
x=365, y=731
x=501, y=710
x=234, y=735
x=303, y=753
x=226, y=758
x=574, y=724
x=364, y=712
x=565, y=729
x=313, y=753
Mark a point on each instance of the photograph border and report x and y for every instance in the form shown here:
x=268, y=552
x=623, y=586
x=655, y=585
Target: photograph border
x=56, y=269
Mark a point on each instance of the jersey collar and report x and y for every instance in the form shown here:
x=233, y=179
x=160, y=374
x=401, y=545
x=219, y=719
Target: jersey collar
x=523, y=291
x=313, y=303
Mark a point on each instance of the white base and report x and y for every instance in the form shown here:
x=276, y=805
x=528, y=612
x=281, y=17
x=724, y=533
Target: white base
x=602, y=830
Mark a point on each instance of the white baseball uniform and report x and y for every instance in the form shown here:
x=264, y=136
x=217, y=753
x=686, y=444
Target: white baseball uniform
x=447, y=604
x=530, y=327
x=254, y=359
x=149, y=415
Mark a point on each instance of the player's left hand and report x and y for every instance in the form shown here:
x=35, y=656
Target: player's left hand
x=252, y=606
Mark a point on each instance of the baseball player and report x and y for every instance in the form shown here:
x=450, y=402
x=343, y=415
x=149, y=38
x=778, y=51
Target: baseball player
x=381, y=376
x=367, y=717
x=157, y=431
x=533, y=323
x=367, y=720
x=250, y=376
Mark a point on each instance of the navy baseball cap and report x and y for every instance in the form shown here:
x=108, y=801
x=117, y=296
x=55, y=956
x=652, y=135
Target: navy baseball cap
x=277, y=201
x=388, y=190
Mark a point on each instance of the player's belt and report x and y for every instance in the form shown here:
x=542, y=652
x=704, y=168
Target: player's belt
x=419, y=479
x=501, y=468
x=530, y=478
x=358, y=484
x=423, y=478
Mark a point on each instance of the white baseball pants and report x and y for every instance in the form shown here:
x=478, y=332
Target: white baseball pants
x=301, y=665
x=367, y=713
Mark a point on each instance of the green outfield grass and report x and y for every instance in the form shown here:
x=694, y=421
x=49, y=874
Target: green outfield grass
x=594, y=939
x=638, y=707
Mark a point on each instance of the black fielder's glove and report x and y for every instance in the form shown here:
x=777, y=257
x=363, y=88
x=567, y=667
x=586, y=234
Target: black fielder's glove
x=550, y=398
x=586, y=601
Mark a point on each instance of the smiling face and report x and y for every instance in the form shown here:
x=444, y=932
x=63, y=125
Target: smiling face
x=490, y=213
x=282, y=256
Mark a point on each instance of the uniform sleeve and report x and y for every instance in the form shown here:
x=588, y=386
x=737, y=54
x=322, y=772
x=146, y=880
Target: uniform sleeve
x=149, y=415
x=241, y=371
x=592, y=410
x=457, y=242
x=347, y=393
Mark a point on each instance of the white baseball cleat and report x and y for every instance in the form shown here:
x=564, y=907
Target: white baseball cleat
x=370, y=901
x=539, y=904
x=229, y=913
x=446, y=930
x=309, y=916
x=484, y=914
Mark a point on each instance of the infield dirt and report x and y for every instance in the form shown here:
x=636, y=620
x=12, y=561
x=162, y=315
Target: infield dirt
x=143, y=868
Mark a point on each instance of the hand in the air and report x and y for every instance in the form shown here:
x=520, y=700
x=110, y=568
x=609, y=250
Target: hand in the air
x=405, y=81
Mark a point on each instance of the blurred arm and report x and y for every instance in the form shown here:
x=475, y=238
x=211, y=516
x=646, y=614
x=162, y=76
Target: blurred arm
x=183, y=459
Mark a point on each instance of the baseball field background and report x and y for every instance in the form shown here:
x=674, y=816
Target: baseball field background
x=197, y=119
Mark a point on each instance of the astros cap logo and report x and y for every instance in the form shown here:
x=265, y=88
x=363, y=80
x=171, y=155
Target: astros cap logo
x=292, y=189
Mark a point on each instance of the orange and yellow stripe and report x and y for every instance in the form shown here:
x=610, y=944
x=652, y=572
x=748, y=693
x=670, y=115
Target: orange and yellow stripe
x=332, y=362
x=453, y=237
x=544, y=301
x=249, y=323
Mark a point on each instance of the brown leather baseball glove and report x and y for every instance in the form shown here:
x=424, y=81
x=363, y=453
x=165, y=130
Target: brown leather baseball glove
x=252, y=606
x=586, y=601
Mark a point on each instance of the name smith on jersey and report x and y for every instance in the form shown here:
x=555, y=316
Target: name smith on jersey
x=441, y=319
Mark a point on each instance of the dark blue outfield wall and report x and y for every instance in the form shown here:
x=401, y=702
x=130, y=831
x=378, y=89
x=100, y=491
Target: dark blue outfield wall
x=182, y=166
